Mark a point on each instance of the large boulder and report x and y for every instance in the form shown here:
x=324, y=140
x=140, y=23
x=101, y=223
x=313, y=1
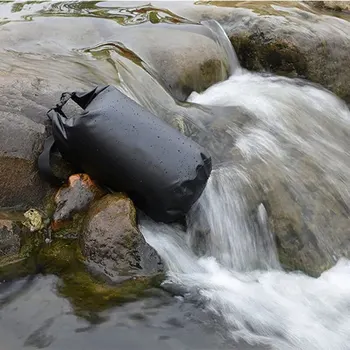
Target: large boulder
x=288, y=39
x=310, y=224
x=24, y=101
x=114, y=247
x=338, y=6
x=182, y=59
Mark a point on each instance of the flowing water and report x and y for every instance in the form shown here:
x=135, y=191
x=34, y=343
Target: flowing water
x=278, y=132
x=237, y=274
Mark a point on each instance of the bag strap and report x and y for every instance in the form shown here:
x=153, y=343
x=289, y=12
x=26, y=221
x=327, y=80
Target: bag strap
x=44, y=163
x=44, y=160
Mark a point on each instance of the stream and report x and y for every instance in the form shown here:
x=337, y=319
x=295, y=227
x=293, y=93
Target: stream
x=231, y=289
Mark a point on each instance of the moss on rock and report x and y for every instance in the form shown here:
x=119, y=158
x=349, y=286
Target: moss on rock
x=61, y=256
x=207, y=74
x=278, y=56
x=16, y=266
x=88, y=294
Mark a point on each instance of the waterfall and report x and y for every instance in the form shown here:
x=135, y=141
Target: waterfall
x=227, y=258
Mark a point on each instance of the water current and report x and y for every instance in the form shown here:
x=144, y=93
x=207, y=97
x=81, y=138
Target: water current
x=236, y=271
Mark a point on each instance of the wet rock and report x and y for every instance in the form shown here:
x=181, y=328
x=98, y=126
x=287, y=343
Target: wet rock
x=24, y=101
x=331, y=5
x=309, y=220
x=9, y=238
x=74, y=198
x=293, y=40
x=112, y=243
x=183, y=58
x=20, y=142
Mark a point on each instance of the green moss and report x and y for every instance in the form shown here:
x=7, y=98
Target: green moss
x=206, y=76
x=30, y=244
x=60, y=256
x=16, y=266
x=63, y=258
x=153, y=17
x=71, y=228
x=87, y=294
x=17, y=7
x=49, y=204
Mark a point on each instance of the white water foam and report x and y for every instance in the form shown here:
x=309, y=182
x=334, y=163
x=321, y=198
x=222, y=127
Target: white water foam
x=236, y=273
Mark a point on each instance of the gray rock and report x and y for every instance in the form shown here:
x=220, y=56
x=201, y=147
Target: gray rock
x=293, y=40
x=311, y=224
x=114, y=247
x=183, y=58
x=10, y=239
x=20, y=142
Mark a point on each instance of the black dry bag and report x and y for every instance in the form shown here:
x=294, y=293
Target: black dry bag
x=126, y=148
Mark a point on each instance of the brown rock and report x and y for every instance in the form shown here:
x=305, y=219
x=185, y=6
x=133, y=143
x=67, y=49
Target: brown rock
x=112, y=243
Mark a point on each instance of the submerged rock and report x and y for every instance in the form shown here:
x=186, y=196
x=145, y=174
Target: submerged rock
x=112, y=243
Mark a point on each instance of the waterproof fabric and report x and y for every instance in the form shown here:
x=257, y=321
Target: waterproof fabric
x=125, y=147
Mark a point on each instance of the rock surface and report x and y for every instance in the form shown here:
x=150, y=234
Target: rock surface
x=112, y=243
x=311, y=227
x=331, y=5
x=189, y=59
x=20, y=142
x=10, y=240
x=291, y=39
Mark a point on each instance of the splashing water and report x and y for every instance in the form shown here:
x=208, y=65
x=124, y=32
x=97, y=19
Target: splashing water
x=228, y=257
